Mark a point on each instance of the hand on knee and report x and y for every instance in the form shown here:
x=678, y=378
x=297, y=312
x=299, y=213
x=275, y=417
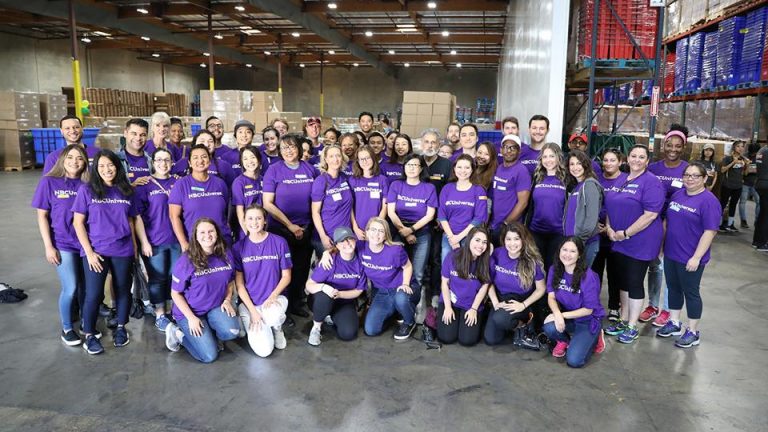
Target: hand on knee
x=550, y=318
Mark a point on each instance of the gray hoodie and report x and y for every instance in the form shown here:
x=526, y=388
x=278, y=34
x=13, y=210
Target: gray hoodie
x=588, y=204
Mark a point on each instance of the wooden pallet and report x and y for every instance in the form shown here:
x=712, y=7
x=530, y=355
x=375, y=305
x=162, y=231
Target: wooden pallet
x=16, y=168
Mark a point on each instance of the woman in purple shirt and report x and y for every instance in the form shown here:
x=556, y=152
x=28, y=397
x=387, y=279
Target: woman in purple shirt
x=246, y=189
x=263, y=265
x=160, y=123
x=693, y=217
x=332, y=199
x=335, y=290
x=103, y=218
x=574, y=298
x=287, y=197
x=270, y=153
x=203, y=285
x=517, y=282
x=487, y=161
x=369, y=188
x=159, y=246
x=198, y=195
x=464, y=284
x=547, y=205
x=392, y=167
x=632, y=223
x=463, y=205
x=53, y=200
x=582, y=208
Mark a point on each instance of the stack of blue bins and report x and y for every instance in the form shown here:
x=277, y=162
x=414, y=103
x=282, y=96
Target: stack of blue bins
x=752, y=48
x=729, y=43
x=709, y=61
x=681, y=49
x=693, y=67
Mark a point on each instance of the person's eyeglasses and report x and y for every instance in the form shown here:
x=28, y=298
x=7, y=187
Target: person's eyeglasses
x=692, y=176
x=163, y=160
x=413, y=165
x=215, y=126
x=510, y=148
x=287, y=147
x=364, y=159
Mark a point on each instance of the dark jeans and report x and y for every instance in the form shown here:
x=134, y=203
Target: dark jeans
x=631, y=273
x=600, y=264
x=301, y=256
x=435, y=265
x=730, y=197
x=683, y=284
x=385, y=303
x=457, y=330
x=159, y=267
x=761, y=224
x=419, y=254
x=501, y=321
x=122, y=279
x=581, y=342
x=547, y=243
x=342, y=312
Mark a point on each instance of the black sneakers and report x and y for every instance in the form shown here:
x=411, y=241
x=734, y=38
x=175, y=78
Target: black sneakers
x=404, y=331
x=70, y=338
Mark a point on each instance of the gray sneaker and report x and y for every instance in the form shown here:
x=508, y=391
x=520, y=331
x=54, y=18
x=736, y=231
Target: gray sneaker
x=172, y=341
x=280, y=342
x=315, y=337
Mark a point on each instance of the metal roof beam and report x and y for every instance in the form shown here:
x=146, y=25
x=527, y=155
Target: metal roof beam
x=411, y=6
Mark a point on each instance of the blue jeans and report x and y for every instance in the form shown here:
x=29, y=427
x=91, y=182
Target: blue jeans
x=159, y=267
x=385, y=303
x=581, y=342
x=590, y=251
x=655, y=281
x=419, y=254
x=217, y=325
x=70, y=271
x=121, y=269
x=684, y=286
x=746, y=192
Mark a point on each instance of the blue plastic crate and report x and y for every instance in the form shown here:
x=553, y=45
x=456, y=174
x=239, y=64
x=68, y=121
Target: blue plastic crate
x=709, y=61
x=194, y=128
x=492, y=136
x=730, y=41
x=48, y=140
x=693, y=66
x=681, y=48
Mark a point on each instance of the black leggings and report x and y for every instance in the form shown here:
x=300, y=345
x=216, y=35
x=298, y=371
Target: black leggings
x=761, y=224
x=501, y=321
x=730, y=197
x=301, y=255
x=342, y=312
x=547, y=243
x=457, y=329
x=630, y=273
x=600, y=264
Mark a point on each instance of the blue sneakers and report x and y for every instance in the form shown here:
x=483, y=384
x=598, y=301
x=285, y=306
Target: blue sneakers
x=671, y=328
x=616, y=328
x=688, y=339
x=121, y=337
x=629, y=335
x=92, y=345
x=162, y=322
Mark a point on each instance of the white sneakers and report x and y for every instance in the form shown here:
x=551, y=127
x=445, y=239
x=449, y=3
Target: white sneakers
x=314, y=337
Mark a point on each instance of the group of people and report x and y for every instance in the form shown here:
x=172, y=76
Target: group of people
x=482, y=238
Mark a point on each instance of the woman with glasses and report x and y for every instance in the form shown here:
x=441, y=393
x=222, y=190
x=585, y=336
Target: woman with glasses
x=369, y=188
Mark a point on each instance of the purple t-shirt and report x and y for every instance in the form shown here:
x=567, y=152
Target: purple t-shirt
x=507, y=182
x=631, y=199
x=688, y=216
x=392, y=171
x=587, y=297
x=223, y=151
x=267, y=161
x=106, y=220
x=262, y=265
x=292, y=188
x=202, y=199
x=529, y=158
x=152, y=204
x=671, y=179
x=548, y=206
x=462, y=291
x=343, y=275
x=597, y=169
x=610, y=186
x=137, y=166
x=50, y=161
x=347, y=169
x=384, y=268
x=457, y=153
x=149, y=148
x=462, y=208
x=233, y=159
x=336, y=199
x=370, y=194
x=246, y=191
x=56, y=195
x=411, y=202
x=204, y=290
x=505, y=277
x=219, y=168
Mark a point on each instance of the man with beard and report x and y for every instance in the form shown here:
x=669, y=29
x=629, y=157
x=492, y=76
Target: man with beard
x=215, y=126
x=538, y=128
x=452, y=135
x=511, y=188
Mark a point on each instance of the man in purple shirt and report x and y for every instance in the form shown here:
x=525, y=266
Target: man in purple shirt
x=511, y=188
x=135, y=161
x=538, y=128
x=72, y=130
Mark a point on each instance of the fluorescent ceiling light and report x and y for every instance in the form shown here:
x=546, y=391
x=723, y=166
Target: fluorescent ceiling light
x=355, y=64
x=155, y=55
x=369, y=33
x=85, y=39
x=144, y=38
x=432, y=5
x=206, y=54
x=446, y=33
x=332, y=6
x=101, y=33
x=202, y=65
x=239, y=8
x=331, y=52
x=295, y=34
x=142, y=10
x=301, y=65
x=267, y=52
x=219, y=36
x=391, y=51
x=248, y=65
x=453, y=52
x=458, y=65
x=407, y=65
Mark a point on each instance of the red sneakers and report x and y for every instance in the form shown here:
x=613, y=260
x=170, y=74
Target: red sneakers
x=600, y=347
x=559, y=350
x=649, y=313
x=661, y=319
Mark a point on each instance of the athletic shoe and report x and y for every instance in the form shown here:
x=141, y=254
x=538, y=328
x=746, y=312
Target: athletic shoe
x=763, y=248
x=315, y=337
x=121, y=337
x=744, y=225
x=427, y=336
x=688, y=339
x=97, y=333
x=731, y=228
x=92, y=345
x=671, y=328
x=600, y=347
x=404, y=331
x=280, y=342
x=172, y=341
x=328, y=321
x=661, y=320
x=614, y=315
x=560, y=348
x=723, y=228
x=149, y=309
x=616, y=329
x=629, y=335
x=70, y=338
x=649, y=313
x=104, y=310
x=162, y=322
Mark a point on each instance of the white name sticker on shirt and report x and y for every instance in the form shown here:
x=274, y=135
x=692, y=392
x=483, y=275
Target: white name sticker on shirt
x=410, y=204
x=677, y=184
x=375, y=194
x=501, y=188
x=301, y=176
x=336, y=196
x=454, y=299
x=373, y=183
x=130, y=174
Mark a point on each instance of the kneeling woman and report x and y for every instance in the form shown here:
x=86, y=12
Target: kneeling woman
x=518, y=281
x=202, y=295
x=334, y=290
x=574, y=298
x=263, y=264
x=465, y=280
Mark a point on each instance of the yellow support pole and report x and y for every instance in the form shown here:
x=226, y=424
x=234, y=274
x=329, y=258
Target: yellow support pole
x=322, y=105
x=210, y=83
x=78, y=89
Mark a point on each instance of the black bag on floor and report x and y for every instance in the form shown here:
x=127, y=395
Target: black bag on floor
x=140, y=291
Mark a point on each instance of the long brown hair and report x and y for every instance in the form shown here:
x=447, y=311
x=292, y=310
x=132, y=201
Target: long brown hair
x=560, y=171
x=462, y=260
x=578, y=272
x=58, y=168
x=196, y=253
x=357, y=170
x=584, y=161
x=529, y=253
x=483, y=175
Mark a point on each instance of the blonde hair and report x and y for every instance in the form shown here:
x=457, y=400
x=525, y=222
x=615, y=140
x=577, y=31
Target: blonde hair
x=387, y=234
x=324, y=164
x=160, y=117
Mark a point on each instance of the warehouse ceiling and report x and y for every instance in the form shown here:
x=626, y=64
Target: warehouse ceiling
x=387, y=34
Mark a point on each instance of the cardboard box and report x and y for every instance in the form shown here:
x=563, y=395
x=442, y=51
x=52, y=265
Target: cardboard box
x=411, y=96
x=426, y=97
x=16, y=149
x=424, y=109
x=442, y=98
x=410, y=108
x=441, y=110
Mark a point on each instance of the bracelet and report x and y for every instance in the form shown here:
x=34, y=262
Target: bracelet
x=627, y=235
x=473, y=309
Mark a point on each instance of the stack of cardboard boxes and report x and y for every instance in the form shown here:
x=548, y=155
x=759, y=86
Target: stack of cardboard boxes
x=426, y=110
x=52, y=108
x=19, y=112
x=258, y=107
x=173, y=104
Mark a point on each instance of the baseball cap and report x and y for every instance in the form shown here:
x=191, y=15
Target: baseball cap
x=342, y=233
x=575, y=135
x=313, y=120
x=244, y=123
x=511, y=137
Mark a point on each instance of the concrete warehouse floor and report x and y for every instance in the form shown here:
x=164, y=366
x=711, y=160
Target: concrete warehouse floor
x=375, y=384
